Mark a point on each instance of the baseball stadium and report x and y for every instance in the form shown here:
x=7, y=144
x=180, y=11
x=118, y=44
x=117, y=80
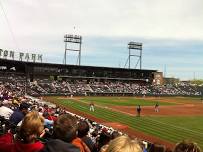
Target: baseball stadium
x=101, y=76
x=169, y=113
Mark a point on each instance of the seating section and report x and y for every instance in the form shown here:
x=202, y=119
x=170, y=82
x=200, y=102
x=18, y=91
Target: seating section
x=43, y=87
x=18, y=83
x=13, y=88
x=9, y=99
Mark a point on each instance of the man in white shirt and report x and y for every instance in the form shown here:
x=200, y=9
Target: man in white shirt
x=92, y=106
x=5, y=111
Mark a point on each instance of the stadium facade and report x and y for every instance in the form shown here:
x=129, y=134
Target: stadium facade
x=34, y=70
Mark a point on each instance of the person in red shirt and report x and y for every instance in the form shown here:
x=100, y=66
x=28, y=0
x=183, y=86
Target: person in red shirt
x=52, y=116
x=47, y=109
x=26, y=139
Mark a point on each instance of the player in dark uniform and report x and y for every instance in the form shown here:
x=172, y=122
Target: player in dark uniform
x=138, y=110
x=156, y=107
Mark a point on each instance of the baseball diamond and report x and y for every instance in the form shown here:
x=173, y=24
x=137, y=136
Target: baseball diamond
x=179, y=117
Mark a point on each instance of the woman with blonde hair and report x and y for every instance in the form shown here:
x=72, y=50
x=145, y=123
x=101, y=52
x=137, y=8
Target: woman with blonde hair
x=26, y=139
x=124, y=144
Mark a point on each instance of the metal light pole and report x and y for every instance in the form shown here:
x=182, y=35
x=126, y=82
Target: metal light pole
x=77, y=39
x=135, y=46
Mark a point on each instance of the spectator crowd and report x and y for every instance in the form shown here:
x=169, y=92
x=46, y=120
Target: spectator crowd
x=29, y=125
x=83, y=87
x=43, y=87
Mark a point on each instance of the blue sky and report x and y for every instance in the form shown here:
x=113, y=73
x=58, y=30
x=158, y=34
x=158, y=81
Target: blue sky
x=170, y=30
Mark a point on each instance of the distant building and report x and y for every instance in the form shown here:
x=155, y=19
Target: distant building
x=171, y=81
x=157, y=78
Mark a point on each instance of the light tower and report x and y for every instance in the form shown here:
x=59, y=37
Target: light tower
x=135, y=46
x=74, y=39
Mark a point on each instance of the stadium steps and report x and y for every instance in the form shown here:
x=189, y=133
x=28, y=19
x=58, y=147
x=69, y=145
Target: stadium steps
x=42, y=89
x=69, y=88
x=89, y=88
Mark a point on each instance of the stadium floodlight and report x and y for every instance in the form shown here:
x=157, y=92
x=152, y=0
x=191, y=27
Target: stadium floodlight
x=135, y=46
x=69, y=38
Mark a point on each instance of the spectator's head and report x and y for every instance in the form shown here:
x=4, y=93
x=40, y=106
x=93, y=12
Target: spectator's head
x=65, y=128
x=157, y=148
x=24, y=108
x=45, y=114
x=40, y=109
x=123, y=144
x=187, y=146
x=115, y=134
x=31, y=127
x=83, y=129
x=104, y=139
x=46, y=106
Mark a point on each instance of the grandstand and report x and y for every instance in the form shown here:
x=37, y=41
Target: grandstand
x=58, y=79
x=19, y=78
x=39, y=77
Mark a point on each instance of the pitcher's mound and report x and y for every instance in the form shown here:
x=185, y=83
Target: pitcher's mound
x=115, y=125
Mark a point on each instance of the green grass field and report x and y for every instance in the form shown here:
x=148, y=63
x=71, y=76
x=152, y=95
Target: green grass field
x=170, y=128
x=122, y=101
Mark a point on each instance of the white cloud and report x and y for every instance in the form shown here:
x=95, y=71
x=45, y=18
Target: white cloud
x=180, y=19
x=39, y=25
